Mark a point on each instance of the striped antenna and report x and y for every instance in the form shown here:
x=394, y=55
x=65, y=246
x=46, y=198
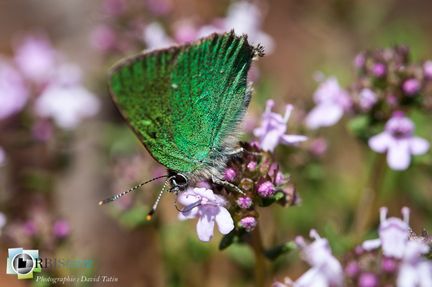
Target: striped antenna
x=117, y=196
x=155, y=205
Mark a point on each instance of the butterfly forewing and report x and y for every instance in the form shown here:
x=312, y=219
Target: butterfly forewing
x=183, y=101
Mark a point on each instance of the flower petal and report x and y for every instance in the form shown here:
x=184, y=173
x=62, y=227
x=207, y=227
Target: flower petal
x=293, y=139
x=371, y=244
x=270, y=140
x=224, y=221
x=188, y=197
x=380, y=142
x=324, y=115
x=399, y=155
x=205, y=227
x=419, y=145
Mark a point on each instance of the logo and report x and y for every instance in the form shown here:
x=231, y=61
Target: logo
x=23, y=262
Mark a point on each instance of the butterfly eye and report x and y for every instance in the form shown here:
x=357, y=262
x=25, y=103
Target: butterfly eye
x=179, y=181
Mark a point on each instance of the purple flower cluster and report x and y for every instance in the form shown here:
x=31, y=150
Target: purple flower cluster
x=243, y=16
x=394, y=259
x=387, y=88
x=55, y=87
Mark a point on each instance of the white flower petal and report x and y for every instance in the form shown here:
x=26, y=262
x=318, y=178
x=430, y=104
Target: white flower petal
x=372, y=244
x=205, y=228
x=293, y=139
x=324, y=115
x=399, y=155
x=380, y=142
x=419, y=145
x=224, y=221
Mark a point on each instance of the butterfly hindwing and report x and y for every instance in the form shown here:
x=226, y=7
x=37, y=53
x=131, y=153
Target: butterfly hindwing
x=183, y=101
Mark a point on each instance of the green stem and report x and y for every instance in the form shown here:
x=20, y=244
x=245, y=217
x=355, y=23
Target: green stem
x=260, y=260
x=367, y=209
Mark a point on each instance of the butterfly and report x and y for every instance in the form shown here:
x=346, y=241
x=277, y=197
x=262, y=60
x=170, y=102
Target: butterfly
x=185, y=104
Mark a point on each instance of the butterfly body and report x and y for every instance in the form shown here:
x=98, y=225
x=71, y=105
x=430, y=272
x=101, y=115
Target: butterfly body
x=185, y=103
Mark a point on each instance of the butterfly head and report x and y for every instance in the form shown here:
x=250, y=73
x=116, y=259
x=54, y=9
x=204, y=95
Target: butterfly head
x=179, y=182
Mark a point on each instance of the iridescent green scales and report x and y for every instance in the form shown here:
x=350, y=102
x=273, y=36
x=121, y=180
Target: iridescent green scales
x=183, y=102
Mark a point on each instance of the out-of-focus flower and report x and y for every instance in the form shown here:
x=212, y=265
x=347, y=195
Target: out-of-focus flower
x=29, y=228
x=230, y=174
x=209, y=208
x=411, y=87
x=159, y=7
x=36, y=58
x=103, y=38
x=318, y=146
x=266, y=189
x=2, y=156
x=331, y=102
x=248, y=223
x=399, y=142
x=114, y=7
x=245, y=18
x=185, y=32
x=13, y=92
x=42, y=130
x=273, y=128
x=244, y=202
x=379, y=69
x=66, y=100
x=359, y=60
x=414, y=269
x=367, y=99
x=3, y=220
x=427, y=69
x=326, y=270
x=368, y=279
x=155, y=37
x=61, y=228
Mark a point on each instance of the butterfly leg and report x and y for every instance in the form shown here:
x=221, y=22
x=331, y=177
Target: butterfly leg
x=227, y=184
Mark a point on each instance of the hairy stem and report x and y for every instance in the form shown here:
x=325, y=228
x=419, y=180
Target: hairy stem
x=260, y=260
x=368, y=205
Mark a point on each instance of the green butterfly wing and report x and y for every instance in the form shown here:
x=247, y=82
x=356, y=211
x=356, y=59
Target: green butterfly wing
x=184, y=101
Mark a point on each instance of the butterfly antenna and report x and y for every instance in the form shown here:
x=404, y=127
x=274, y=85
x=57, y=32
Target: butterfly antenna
x=155, y=205
x=117, y=196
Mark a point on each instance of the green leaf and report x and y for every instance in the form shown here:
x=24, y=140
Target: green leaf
x=279, y=250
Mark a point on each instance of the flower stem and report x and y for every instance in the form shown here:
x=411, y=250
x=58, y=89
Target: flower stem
x=260, y=260
x=368, y=205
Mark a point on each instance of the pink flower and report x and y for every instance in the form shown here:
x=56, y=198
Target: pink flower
x=266, y=189
x=209, y=208
x=326, y=269
x=61, y=228
x=155, y=37
x=379, y=69
x=273, y=128
x=427, y=69
x=394, y=240
x=399, y=142
x=229, y=174
x=103, y=38
x=411, y=87
x=331, y=102
x=13, y=91
x=248, y=223
x=185, y=32
x=245, y=18
x=66, y=100
x=367, y=99
x=36, y=58
x=244, y=202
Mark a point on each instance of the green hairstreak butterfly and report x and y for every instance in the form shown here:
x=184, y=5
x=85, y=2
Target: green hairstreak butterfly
x=185, y=104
